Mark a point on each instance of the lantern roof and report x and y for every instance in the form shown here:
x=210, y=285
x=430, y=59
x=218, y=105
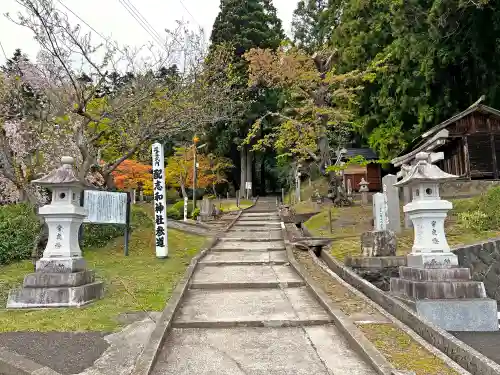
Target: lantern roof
x=424, y=171
x=63, y=176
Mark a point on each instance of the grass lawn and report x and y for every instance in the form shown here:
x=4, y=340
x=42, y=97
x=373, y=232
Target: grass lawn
x=350, y=222
x=134, y=283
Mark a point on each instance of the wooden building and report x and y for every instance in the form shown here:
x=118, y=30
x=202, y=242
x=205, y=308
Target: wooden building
x=371, y=172
x=469, y=140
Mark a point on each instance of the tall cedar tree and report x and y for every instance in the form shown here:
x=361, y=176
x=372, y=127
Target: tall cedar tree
x=243, y=25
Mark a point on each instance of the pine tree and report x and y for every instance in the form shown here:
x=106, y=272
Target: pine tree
x=247, y=24
x=312, y=23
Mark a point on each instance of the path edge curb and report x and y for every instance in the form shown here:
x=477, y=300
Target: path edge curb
x=458, y=351
x=145, y=362
x=12, y=363
x=353, y=334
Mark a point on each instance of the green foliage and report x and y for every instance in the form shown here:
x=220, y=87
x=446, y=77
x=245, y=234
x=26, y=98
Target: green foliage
x=99, y=235
x=19, y=227
x=195, y=213
x=176, y=211
x=483, y=213
x=431, y=59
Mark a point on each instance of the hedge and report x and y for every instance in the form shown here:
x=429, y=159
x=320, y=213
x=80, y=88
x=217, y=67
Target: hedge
x=19, y=228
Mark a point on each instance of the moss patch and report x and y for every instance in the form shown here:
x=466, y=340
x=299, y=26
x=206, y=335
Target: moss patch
x=134, y=283
x=403, y=352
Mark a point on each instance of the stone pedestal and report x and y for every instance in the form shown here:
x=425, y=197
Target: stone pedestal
x=447, y=297
x=378, y=244
x=206, y=211
x=61, y=278
x=432, y=283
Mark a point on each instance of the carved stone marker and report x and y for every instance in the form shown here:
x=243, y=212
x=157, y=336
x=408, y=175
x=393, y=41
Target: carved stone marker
x=432, y=283
x=393, y=209
x=207, y=209
x=380, y=219
x=61, y=278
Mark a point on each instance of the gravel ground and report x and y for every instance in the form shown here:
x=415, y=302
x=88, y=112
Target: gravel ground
x=66, y=353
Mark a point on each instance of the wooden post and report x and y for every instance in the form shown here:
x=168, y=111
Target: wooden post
x=466, y=156
x=330, y=219
x=493, y=150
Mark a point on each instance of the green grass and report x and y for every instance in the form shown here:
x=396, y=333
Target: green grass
x=404, y=352
x=350, y=222
x=134, y=283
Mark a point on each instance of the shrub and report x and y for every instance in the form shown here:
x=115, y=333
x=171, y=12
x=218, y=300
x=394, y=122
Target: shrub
x=481, y=213
x=174, y=214
x=195, y=213
x=19, y=228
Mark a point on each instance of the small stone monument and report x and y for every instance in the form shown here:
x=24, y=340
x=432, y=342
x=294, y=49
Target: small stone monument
x=432, y=283
x=363, y=189
x=61, y=278
x=206, y=211
x=381, y=241
x=392, y=195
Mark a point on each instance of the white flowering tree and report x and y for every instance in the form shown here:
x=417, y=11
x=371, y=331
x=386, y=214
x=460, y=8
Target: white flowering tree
x=56, y=105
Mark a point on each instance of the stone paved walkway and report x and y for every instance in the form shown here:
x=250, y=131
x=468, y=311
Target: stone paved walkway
x=248, y=313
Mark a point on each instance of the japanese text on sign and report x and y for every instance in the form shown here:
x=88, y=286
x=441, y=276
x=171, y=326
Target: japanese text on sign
x=105, y=207
x=160, y=202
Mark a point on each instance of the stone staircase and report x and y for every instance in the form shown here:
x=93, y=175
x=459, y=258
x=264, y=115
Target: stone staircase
x=248, y=312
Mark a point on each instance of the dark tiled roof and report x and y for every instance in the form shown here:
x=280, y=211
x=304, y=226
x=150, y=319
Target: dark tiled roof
x=367, y=153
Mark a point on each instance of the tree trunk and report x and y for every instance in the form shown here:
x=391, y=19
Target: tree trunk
x=249, y=170
x=263, y=174
x=243, y=171
x=213, y=189
x=183, y=190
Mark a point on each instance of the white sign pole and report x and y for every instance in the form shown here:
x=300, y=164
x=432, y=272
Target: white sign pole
x=185, y=208
x=160, y=201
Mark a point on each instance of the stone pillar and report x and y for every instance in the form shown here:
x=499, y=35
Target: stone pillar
x=61, y=278
x=432, y=283
x=363, y=189
x=393, y=205
x=185, y=208
x=133, y=196
x=243, y=176
x=249, y=173
x=406, y=200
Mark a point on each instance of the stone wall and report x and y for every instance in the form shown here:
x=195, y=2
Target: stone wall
x=483, y=259
x=454, y=189
x=464, y=355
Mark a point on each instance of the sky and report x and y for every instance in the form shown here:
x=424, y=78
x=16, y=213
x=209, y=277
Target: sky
x=111, y=19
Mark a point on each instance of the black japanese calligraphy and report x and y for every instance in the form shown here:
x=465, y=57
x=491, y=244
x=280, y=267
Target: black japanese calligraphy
x=160, y=220
x=157, y=174
x=160, y=241
x=159, y=207
x=158, y=196
x=160, y=231
x=158, y=185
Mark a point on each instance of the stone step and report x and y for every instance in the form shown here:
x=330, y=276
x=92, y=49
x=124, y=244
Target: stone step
x=258, y=229
x=245, y=276
x=257, y=307
x=239, y=257
x=257, y=351
x=232, y=245
x=258, y=223
x=417, y=290
x=266, y=219
x=254, y=236
x=261, y=214
x=429, y=274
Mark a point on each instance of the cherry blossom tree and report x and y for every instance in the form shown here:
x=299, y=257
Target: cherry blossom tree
x=68, y=113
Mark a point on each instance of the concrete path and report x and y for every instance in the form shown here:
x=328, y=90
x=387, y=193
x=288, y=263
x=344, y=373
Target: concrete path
x=247, y=312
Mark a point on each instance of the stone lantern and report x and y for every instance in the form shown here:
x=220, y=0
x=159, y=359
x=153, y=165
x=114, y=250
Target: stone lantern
x=428, y=211
x=61, y=278
x=363, y=189
x=432, y=283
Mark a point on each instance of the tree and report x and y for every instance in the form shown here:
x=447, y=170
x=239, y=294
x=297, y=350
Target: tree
x=76, y=110
x=132, y=174
x=243, y=25
x=216, y=173
x=312, y=23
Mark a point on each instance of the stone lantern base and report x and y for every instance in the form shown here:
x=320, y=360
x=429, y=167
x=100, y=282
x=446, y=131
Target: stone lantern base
x=57, y=283
x=446, y=297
